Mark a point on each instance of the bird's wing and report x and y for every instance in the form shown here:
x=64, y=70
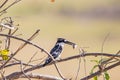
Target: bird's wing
x=55, y=52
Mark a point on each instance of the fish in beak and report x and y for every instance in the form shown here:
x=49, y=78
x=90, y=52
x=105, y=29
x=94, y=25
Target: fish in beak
x=71, y=43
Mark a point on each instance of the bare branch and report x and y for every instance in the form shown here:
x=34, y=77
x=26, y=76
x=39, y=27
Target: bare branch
x=71, y=58
x=103, y=43
x=17, y=63
x=3, y=3
x=4, y=10
x=21, y=66
x=78, y=65
x=59, y=72
x=8, y=40
x=108, y=60
x=99, y=72
x=77, y=56
x=27, y=42
x=30, y=60
x=16, y=75
x=40, y=76
x=14, y=31
x=2, y=66
x=83, y=52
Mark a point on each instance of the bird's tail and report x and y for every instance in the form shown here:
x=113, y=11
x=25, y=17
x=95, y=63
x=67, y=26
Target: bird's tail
x=47, y=61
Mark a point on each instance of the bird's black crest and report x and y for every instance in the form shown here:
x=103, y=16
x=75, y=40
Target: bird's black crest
x=61, y=40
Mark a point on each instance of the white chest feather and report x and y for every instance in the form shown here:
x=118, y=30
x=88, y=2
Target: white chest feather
x=61, y=44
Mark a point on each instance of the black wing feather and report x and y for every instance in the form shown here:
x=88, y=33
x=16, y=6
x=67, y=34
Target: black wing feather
x=55, y=52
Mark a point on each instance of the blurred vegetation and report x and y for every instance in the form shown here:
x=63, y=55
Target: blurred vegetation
x=83, y=21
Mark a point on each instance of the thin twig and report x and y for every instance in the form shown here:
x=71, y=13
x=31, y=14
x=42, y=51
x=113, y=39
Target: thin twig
x=41, y=77
x=21, y=67
x=4, y=10
x=16, y=75
x=99, y=72
x=8, y=40
x=37, y=60
x=18, y=63
x=59, y=72
x=3, y=3
x=83, y=52
x=2, y=74
x=27, y=42
x=22, y=46
x=14, y=31
x=102, y=49
x=78, y=70
x=30, y=60
x=103, y=43
x=111, y=58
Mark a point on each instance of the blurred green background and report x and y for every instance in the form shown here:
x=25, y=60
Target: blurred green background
x=85, y=22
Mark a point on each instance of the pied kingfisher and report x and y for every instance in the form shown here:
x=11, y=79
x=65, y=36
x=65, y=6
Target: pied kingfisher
x=57, y=49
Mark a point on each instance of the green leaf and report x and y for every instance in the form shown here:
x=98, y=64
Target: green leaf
x=96, y=61
x=4, y=54
x=93, y=69
x=4, y=57
x=106, y=76
x=95, y=78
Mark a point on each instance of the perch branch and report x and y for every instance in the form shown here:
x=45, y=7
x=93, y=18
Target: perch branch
x=71, y=58
x=16, y=75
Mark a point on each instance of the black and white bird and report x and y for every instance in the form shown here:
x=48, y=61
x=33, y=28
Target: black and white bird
x=57, y=49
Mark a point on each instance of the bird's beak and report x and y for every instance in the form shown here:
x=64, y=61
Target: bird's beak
x=71, y=43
